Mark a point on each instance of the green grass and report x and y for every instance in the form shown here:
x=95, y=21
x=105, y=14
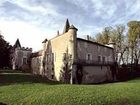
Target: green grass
x=17, y=88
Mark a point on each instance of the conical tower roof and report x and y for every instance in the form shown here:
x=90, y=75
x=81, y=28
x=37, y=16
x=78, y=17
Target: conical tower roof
x=66, y=27
x=17, y=44
x=73, y=27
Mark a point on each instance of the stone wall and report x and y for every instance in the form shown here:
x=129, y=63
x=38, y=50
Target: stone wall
x=94, y=70
x=96, y=74
x=21, y=58
x=85, y=47
x=35, y=65
x=56, y=49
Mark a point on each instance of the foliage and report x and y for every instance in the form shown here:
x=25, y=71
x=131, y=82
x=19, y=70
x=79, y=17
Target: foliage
x=104, y=36
x=65, y=74
x=89, y=38
x=118, y=38
x=127, y=42
x=44, y=93
x=5, y=49
x=134, y=40
x=116, y=35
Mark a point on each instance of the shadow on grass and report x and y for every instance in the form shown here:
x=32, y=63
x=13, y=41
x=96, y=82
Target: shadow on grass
x=1, y=103
x=8, y=77
x=15, y=77
x=10, y=71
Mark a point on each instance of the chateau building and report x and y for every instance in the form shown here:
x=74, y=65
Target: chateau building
x=73, y=60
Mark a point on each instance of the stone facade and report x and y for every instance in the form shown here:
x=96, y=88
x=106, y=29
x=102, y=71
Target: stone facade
x=36, y=62
x=54, y=52
x=73, y=60
x=95, y=61
x=67, y=58
x=20, y=57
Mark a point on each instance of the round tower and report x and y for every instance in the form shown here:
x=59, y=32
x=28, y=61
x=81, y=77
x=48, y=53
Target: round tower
x=73, y=33
x=73, y=30
x=73, y=47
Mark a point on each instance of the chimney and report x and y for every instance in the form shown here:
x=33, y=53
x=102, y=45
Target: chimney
x=88, y=37
x=58, y=33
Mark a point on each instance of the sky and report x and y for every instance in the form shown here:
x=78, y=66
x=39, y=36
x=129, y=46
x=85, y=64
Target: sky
x=34, y=20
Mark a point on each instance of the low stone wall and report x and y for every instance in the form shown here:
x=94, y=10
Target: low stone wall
x=96, y=74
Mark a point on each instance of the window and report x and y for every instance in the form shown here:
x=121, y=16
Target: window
x=52, y=68
x=24, y=60
x=52, y=76
x=70, y=56
x=89, y=57
x=103, y=59
x=99, y=58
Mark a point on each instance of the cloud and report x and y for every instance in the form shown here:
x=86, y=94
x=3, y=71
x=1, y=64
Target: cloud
x=29, y=35
x=43, y=18
x=13, y=11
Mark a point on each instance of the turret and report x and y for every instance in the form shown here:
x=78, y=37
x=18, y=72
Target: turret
x=73, y=49
x=58, y=33
x=73, y=30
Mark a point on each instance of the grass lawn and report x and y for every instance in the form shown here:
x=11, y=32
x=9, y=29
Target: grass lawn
x=18, y=88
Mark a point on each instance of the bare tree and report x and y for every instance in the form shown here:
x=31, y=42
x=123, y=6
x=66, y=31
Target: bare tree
x=118, y=38
x=134, y=40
